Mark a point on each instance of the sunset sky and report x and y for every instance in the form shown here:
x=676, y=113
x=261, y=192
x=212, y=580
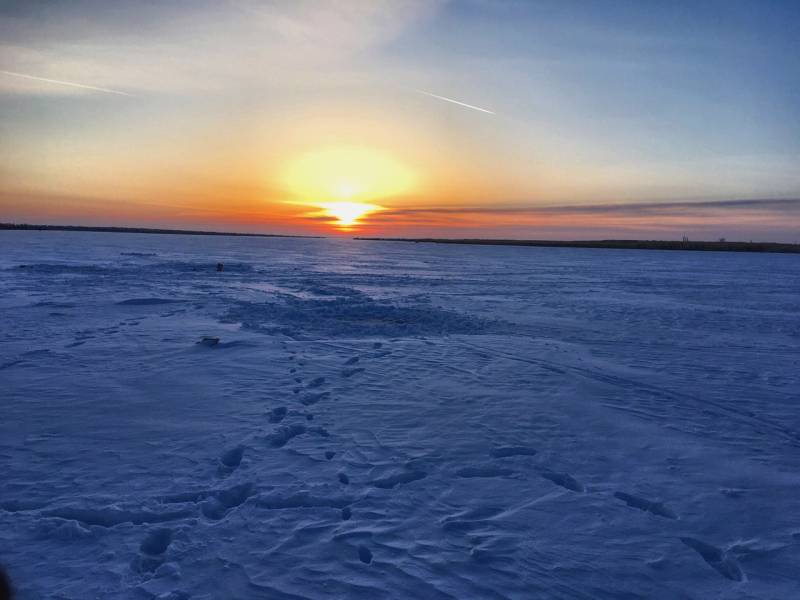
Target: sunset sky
x=473, y=118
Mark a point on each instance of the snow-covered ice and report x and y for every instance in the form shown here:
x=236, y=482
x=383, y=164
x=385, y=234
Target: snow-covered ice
x=385, y=420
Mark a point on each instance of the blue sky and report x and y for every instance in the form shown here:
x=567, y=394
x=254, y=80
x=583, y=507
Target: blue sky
x=190, y=113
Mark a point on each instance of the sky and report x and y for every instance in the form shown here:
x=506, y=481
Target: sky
x=405, y=118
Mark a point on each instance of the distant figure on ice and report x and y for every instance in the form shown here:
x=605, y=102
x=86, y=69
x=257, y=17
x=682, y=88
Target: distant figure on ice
x=220, y=267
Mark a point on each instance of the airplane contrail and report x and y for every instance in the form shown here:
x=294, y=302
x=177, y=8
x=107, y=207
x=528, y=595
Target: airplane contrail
x=69, y=83
x=464, y=104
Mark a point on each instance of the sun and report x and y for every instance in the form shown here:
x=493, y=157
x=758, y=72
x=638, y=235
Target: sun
x=348, y=213
x=344, y=182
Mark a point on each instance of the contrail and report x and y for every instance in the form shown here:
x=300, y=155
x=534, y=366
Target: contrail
x=464, y=104
x=69, y=83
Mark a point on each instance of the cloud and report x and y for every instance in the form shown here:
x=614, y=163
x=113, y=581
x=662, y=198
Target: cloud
x=342, y=27
x=66, y=83
x=776, y=219
x=654, y=208
x=458, y=102
x=171, y=47
x=642, y=208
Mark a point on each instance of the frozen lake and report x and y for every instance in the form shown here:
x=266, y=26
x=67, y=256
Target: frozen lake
x=387, y=420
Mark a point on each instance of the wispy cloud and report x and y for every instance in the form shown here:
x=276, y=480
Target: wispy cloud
x=228, y=47
x=67, y=83
x=639, y=208
x=458, y=102
x=775, y=219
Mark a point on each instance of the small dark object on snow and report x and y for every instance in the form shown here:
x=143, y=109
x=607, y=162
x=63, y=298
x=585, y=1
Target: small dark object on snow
x=364, y=554
x=209, y=340
x=220, y=267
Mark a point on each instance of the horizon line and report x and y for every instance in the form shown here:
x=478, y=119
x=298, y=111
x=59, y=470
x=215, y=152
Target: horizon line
x=439, y=240
x=144, y=230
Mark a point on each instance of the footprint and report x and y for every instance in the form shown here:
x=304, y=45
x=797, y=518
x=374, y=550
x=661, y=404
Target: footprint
x=220, y=502
x=156, y=542
x=232, y=458
x=329, y=454
x=314, y=383
x=719, y=560
x=351, y=361
x=564, y=480
x=364, y=554
x=484, y=471
x=310, y=399
x=346, y=513
x=351, y=372
x=377, y=345
x=320, y=431
x=391, y=481
x=278, y=414
x=280, y=437
x=152, y=550
x=656, y=508
x=343, y=478
x=506, y=451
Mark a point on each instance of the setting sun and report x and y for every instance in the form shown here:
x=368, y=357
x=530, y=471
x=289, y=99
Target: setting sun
x=347, y=173
x=348, y=213
x=345, y=181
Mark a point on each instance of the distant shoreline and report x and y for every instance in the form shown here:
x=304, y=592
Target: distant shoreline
x=613, y=244
x=28, y=227
x=719, y=246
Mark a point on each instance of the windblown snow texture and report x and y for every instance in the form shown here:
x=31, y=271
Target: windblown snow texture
x=386, y=420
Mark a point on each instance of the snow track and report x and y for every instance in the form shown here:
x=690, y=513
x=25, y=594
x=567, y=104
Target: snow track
x=395, y=421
